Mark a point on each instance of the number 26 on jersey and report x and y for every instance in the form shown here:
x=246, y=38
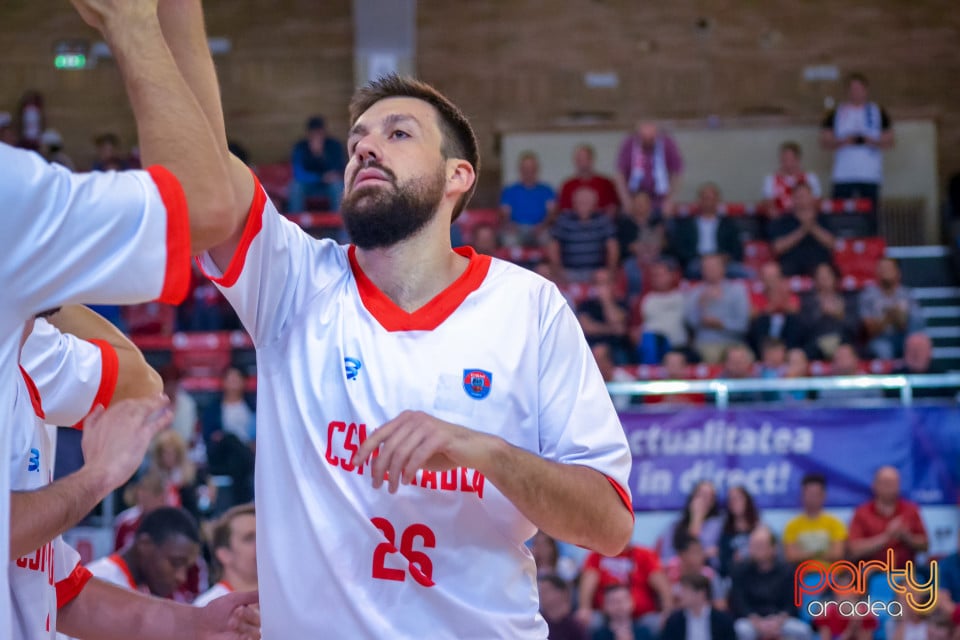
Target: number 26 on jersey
x=419, y=564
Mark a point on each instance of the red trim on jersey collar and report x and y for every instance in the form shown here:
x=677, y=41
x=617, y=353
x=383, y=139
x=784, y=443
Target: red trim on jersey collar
x=34, y=394
x=432, y=314
x=109, y=372
x=176, y=281
x=71, y=586
x=251, y=229
x=624, y=496
x=118, y=560
x=226, y=585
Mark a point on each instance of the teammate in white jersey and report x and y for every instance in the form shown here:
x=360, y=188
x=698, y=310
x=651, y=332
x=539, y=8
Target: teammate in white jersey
x=233, y=544
x=109, y=238
x=469, y=376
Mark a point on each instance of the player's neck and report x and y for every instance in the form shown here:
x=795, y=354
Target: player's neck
x=415, y=270
x=237, y=582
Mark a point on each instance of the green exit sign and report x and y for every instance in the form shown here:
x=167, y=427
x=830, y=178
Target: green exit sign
x=70, y=61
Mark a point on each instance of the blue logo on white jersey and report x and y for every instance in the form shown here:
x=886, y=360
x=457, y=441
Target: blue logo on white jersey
x=476, y=382
x=33, y=464
x=352, y=366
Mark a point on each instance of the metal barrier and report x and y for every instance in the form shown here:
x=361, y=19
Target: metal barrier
x=721, y=388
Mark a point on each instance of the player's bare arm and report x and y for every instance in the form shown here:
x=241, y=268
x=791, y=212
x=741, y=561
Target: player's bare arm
x=114, y=443
x=107, y=612
x=183, y=29
x=172, y=128
x=135, y=378
x=569, y=502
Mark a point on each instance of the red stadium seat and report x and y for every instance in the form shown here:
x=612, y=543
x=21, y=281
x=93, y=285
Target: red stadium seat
x=202, y=353
x=858, y=257
x=275, y=179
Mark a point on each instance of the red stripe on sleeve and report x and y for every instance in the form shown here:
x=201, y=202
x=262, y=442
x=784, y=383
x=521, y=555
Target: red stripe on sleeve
x=250, y=231
x=71, y=586
x=109, y=372
x=176, y=281
x=624, y=496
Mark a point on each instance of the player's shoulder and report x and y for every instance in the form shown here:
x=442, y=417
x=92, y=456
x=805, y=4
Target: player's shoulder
x=521, y=281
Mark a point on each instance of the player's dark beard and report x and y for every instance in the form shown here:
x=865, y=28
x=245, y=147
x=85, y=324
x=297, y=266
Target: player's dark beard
x=381, y=216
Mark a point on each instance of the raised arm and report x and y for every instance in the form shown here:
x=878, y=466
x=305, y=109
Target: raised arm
x=173, y=129
x=181, y=22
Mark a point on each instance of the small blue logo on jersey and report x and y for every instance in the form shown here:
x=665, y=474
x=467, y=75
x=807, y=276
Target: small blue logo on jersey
x=476, y=382
x=352, y=366
x=33, y=464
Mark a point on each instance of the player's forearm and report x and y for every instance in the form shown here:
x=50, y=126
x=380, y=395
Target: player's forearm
x=37, y=517
x=107, y=612
x=184, y=31
x=135, y=377
x=566, y=501
x=172, y=128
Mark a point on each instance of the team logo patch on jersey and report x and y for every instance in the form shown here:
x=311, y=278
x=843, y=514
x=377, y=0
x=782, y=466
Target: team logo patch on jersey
x=352, y=366
x=476, y=382
x=33, y=464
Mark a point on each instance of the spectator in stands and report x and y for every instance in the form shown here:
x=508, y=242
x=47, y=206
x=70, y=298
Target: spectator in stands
x=741, y=519
x=233, y=545
x=144, y=495
x=485, y=240
x=918, y=360
x=556, y=608
x=8, y=134
x=169, y=457
x=619, y=622
x=641, y=238
x=778, y=187
x=635, y=567
x=814, y=534
x=612, y=373
x=649, y=161
x=233, y=414
x=701, y=518
x=51, y=148
x=800, y=238
x=889, y=311
x=717, y=310
x=206, y=309
x=761, y=593
x=167, y=544
x=585, y=175
x=775, y=310
x=910, y=624
x=948, y=584
x=858, y=131
x=693, y=237
x=549, y=560
x=692, y=560
x=846, y=362
x=603, y=316
x=773, y=358
x=318, y=161
x=798, y=366
x=108, y=154
x=833, y=625
x=182, y=404
x=675, y=367
x=827, y=317
x=584, y=239
x=528, y=205
x=660, y=326
x=941, y=627
x=696, y=619
x=738, y=364
x=887, y=522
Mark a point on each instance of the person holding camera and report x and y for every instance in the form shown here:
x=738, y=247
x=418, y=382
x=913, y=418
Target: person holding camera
x=858, y=131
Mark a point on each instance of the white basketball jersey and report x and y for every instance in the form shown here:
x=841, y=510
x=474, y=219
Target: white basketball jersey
x=218, y=590
x=499, y=352
x=79, y=238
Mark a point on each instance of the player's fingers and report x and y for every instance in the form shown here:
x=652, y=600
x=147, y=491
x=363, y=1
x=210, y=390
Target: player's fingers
x=396, y=433
x=375, y=439
x=427, y=449
x=403, y=448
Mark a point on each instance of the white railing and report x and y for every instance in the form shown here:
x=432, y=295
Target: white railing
x=722, y=388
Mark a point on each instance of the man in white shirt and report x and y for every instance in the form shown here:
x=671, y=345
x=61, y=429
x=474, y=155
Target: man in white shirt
x=233, y=544
x=487, y=423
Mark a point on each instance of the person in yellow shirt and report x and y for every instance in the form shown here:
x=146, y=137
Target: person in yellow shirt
x=814, y=534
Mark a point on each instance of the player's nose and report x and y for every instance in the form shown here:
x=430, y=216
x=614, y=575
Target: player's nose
x=367, y=149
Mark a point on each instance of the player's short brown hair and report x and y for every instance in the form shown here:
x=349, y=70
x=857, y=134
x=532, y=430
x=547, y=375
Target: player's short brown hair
x=223, y=529
x=795, y=147
x=459, y=140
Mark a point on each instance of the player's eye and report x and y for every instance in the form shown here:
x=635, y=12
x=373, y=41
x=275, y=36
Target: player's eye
x=399, y=134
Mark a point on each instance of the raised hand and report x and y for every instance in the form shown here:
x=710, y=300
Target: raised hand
x=101, y=13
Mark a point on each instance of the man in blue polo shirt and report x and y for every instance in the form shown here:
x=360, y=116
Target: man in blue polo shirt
x=528, y=205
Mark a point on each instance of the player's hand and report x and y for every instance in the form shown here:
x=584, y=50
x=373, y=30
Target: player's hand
x=415, y=440
x=101, y=14
x=116, y=439
x=235, y=616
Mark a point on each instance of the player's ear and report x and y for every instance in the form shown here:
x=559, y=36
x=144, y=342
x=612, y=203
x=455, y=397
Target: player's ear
x=460, y=177
x=222, y=555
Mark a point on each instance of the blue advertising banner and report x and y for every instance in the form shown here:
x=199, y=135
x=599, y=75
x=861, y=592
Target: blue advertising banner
x=769, y=451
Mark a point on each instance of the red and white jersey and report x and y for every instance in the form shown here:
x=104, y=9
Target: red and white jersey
x=79, y=238
x=72, y=375
x=113, y=569
x=218, y=590
x=51, y=576
x=778, y=188
x=499, y=351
